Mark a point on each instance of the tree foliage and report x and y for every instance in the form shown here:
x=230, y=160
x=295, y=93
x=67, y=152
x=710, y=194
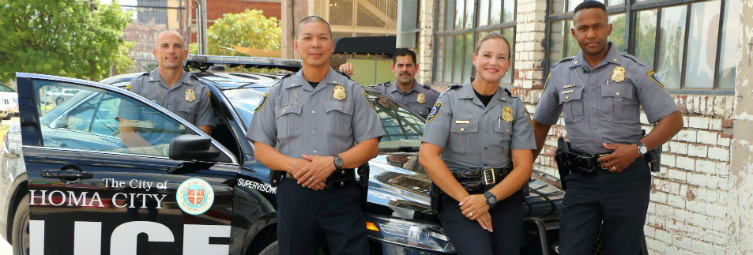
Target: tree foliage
x=80, y=39
x=248, y=29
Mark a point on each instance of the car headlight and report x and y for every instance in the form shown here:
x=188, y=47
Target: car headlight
x=424, y=236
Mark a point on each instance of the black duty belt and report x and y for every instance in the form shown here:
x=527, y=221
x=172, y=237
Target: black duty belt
x=338, y=178
x=586, y=163
x=476, y=180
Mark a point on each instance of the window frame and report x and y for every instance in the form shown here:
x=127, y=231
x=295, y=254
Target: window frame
x=474, y=30
x=631, y=8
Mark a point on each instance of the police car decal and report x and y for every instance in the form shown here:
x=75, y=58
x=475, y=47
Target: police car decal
x=195, y=196
x=263, y=187
x=655, y=77
x=434, y=111
x=261, y=104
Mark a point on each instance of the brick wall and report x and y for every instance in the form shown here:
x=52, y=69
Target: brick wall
x=425, y=41
x=217, y=8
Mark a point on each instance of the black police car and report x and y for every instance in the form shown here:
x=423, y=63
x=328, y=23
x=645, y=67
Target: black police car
x=68, y=185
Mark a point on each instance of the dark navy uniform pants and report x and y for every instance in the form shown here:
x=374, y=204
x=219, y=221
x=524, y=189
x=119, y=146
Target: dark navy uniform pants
x=470, y=239
x=614, y=203
x=306, y=216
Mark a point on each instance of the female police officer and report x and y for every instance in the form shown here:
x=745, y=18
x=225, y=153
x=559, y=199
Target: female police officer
x=472, y=134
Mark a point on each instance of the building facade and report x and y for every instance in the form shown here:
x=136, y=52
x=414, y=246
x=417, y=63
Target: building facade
x=701, y=49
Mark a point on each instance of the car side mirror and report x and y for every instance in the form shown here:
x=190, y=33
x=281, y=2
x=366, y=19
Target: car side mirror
x=192, y=147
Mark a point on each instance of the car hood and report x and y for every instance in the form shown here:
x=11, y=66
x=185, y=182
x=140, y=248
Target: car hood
x=399, y=186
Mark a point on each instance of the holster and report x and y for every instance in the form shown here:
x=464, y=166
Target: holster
x=654, y=159
x=434, y=193
x=363, y=180
x=274, y=177
x=560, y=156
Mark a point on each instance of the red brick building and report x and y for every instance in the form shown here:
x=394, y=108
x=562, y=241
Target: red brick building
x=217, y=8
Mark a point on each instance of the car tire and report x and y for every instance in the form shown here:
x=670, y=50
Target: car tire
x=274, y=249
x=20, y=233
x=8, y=117
x=59, y=101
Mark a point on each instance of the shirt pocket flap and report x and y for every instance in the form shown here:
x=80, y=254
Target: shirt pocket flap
x=617, y=91
x=290, y=109
x=505, y=128
x=464, y=126
x=343, y=107
x=571, y=94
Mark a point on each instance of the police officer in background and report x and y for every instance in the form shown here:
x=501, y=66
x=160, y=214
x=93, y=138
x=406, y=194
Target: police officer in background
x=171, y=87
x=406, y=90
x=317, y=115
x=600, y=92
x=477, y=148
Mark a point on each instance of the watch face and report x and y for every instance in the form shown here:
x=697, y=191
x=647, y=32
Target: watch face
x=490, y=200
x=642, y=149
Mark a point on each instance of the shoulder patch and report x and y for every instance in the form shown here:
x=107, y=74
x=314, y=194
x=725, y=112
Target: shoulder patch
x=547, y=80
x=655, y=77
x=434, y=111
x=530, y=121
x=567, y=59
x=262, y=103
x=343, y=74
x=128, y=87
x=367, y=100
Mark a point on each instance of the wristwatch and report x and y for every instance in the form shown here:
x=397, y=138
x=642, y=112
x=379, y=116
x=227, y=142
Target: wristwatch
x=491, y=199
x=338, y=162
x=641, y=148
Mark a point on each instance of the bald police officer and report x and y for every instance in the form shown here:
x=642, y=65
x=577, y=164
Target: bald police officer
x=477, y=148
x=600, y=92
x=171, y=87
x=317, y=115
x=406, y=90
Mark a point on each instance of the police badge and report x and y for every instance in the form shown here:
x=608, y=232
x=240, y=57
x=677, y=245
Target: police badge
x=190, y=96
x=339, y=93
x=421, y=98
x=507, y=114
x=618, y=74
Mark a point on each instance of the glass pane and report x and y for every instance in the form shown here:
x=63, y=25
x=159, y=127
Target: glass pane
x=469, y=17
x=728, y=60
x=640, y=1
x=572, y=45
x=671, y=36
x=509, y=34
x=556, y=34
x=341, y=12
x=618, y=38
x=400, y=126
x=459, y=14
x=468, y=67
x=616, y=2
x=89, y=120
x=483, y=13
x=440, y=14
x=509, y=9
x=448, y=59
x=645, y=36
x=704, y=31
x=572, y=4
x=439, y=59
x=450, y=16
x=495, y=13
x=481, y=34
x=457, y=72
x=558, y=6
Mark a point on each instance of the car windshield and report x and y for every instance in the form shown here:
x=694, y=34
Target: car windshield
x=403, y=129
x=5, y=88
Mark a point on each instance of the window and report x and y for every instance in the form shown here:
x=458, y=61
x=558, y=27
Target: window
x=690, y=45
x=459, y=25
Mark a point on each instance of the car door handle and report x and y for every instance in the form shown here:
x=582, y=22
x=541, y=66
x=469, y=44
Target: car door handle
x=66, y=174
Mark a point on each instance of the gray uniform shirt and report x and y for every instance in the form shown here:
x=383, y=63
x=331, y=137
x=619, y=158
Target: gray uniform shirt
x=188, y=97
x=476, y=136
x=602, y=105
x=419, y=99
x=307, y=120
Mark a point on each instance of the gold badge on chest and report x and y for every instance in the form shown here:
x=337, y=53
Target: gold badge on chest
x=507, y=114
x=190, y=96
x=421, y=98
x=618, y=74
x=339, y=92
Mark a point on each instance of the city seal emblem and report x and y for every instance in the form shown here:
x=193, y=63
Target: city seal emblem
x=195, y=196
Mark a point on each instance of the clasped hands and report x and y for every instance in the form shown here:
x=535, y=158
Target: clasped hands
x=312, y=171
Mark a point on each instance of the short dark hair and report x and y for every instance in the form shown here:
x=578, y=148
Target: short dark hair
x=309, y=19
x=588, y=4
x=403, y=52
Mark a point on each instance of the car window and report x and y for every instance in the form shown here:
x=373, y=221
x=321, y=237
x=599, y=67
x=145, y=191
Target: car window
x=5, y=88
x=90, y=120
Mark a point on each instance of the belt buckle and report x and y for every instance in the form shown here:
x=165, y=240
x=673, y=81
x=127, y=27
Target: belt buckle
x=602, y=162
x=489, y=177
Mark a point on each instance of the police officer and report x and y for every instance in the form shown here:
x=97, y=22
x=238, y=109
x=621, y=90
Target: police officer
x=317, y=115
x=477, y=148
x=171, y=87
x=600, y=92
x=406, y=90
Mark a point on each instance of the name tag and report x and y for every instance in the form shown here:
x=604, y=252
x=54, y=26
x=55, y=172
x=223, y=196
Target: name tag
x=567, y=91
x=462, y=122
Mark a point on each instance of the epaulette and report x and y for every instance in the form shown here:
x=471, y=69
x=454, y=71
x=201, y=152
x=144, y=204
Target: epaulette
x=509, y=93
x=563, y=60
x=454, y=86
x=386, y=83
x=286, y=76
x=343, y=74
x=144, y=74
x=429, y=88
x=372, y=86
x=194, y=77
x=633, y=58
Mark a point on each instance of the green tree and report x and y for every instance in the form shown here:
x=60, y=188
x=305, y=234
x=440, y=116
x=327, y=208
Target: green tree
x=247, y=29
x=80, y=39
